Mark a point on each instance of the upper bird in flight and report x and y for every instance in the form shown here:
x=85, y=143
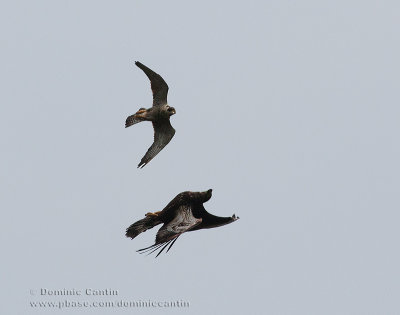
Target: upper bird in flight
x=158, y=114
x=183, y=214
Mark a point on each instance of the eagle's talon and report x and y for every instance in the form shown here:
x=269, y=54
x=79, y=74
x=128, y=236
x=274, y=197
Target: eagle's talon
x=152, y=214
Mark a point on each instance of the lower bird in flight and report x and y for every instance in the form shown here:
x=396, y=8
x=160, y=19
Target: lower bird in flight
x=183, y=214
x=158, y=114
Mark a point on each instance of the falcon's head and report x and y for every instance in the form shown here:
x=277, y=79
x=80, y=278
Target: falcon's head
x=171, y=111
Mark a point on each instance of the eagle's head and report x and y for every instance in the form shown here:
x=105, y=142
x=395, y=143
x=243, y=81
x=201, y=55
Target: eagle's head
x=207, y=195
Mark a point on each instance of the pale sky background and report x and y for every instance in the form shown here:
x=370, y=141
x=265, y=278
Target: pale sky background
x=289, y=110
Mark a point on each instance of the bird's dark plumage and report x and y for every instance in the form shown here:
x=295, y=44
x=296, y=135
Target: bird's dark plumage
x=183, y=214
x=159, y=114
x=158, y=85
x=163, y=133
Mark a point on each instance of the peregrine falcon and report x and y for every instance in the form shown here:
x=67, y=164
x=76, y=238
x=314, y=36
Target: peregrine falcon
x=158, y=114
x=183, y=214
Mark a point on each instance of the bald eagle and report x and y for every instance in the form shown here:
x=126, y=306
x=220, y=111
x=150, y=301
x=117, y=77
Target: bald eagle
x=183, y=214
x=158, y=114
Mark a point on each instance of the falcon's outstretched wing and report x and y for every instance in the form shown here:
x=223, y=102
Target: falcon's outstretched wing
x=169, y=232
x=158, y=85
x=163, y=133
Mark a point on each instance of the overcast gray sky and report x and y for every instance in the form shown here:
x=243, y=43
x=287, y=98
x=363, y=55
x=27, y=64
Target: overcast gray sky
x=289, y=110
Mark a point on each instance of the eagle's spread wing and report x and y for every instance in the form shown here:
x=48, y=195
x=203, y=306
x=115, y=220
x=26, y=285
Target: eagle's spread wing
x=158, y=85
x=169, y=232
x=163, y=133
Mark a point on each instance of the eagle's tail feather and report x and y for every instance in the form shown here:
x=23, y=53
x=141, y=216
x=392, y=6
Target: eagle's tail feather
x=152, y=248
x=141, y=226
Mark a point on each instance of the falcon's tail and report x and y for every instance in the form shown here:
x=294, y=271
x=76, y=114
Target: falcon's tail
x=141, y=226
x=133, y=119
x=139, y=116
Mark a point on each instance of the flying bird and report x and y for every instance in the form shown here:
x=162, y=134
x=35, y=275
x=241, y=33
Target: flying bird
x=184, y=213
x=158, y=114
